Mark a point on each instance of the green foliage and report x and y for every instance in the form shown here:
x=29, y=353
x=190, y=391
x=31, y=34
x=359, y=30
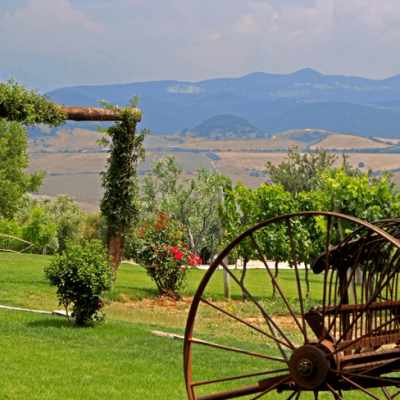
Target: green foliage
x=63, y=213
x=40, y=232
x=13, y=159
x=94, y=227
x=158, y=247
x=68, y=217
x=81, y=275
x=191, y=200
x=353, y=194
x=120, y=200
x=301, y=172
x=360, y=197
x=27, y=107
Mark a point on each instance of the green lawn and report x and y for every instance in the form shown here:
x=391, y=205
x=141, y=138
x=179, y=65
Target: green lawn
x=42, y=357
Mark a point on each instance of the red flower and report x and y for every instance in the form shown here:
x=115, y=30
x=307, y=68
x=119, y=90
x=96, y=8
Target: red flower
x=183, y=268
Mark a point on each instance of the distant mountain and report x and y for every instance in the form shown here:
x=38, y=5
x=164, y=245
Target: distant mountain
x=272, y=102
x=305, y=84
x=336, y=117
x=226, y=127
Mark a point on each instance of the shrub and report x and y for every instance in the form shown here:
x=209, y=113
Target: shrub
x=81, y=274
x=158, y=247
x=94, y=227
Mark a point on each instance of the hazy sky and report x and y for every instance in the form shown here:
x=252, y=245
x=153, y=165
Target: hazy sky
x=54, y=43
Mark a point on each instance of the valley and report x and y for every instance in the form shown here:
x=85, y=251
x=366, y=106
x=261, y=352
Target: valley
x=73, y=160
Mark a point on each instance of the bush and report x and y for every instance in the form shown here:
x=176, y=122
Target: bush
x=81, y=274
x=94, y=227
x=158, y=247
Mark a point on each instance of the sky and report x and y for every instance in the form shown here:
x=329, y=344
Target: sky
x=48, y=44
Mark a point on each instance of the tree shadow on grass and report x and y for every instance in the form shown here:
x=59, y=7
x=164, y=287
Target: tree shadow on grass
x=58, y=322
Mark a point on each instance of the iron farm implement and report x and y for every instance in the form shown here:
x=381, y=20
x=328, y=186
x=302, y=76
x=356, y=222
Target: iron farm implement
x=350, y=341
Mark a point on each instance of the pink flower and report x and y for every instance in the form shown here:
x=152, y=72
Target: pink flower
x=183, y=268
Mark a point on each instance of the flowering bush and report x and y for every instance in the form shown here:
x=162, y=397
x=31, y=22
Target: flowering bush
x=158, y=247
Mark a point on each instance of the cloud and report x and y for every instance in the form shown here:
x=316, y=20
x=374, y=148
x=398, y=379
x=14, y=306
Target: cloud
x=47, y=25
x=214, y=36
x=67, y=42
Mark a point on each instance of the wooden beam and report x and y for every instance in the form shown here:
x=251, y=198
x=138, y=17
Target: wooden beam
x=87, y=113
x=94, y=114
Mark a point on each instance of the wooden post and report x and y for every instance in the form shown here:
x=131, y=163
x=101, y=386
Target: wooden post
x=96, y=114
x=227, y=286
x=114, y=247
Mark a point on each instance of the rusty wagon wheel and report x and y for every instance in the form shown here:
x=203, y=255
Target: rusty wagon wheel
x=348, y=340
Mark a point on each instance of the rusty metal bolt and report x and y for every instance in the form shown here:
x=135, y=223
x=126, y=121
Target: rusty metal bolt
x=305, y=367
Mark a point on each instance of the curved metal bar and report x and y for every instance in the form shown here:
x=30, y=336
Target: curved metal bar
x=298, y=280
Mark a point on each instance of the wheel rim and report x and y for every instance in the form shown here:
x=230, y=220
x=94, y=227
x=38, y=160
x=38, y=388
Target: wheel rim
x=323, y=369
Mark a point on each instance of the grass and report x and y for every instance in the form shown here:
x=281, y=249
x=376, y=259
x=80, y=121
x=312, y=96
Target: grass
x=45, y=358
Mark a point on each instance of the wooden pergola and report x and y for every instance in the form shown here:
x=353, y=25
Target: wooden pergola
x=95, y=114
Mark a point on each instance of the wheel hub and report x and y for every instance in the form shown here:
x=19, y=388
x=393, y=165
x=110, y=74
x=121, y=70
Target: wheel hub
x=308, y=367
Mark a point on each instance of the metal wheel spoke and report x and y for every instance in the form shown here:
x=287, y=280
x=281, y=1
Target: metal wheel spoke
x=263, y=312
x=387, y=394
x=292, y=395
x=298, y=394
x=333, y=391
x=244, y=322
x=286, y=378
x=361, y=388
x=232, y=378
x=250, y=353
x=277, y=286
x=298, y=279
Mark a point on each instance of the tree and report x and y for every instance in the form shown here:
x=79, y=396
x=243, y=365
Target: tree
x=13, y=159
x=192, y=201
x=119, y=205
x=20, y=106
x=302, y=172
x=40, y=232
x=63, y=213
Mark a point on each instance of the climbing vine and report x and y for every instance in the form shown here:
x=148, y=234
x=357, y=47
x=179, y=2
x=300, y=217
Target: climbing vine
x=27, y=107
x=120, y=201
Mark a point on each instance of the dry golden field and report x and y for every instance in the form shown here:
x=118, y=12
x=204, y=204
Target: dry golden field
x=347, y=142
x=237, y=145
x=77, y=174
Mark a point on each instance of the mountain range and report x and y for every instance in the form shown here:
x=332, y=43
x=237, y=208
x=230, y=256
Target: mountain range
x=272, y=103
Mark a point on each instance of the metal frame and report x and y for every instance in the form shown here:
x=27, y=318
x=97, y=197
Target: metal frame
x=348, y=343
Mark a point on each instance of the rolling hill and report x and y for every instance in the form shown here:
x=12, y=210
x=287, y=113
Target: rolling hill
x=274, y=103
x=226, y=127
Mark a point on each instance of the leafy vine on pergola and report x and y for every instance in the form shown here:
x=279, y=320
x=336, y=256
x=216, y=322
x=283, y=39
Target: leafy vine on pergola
x=119, y=204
